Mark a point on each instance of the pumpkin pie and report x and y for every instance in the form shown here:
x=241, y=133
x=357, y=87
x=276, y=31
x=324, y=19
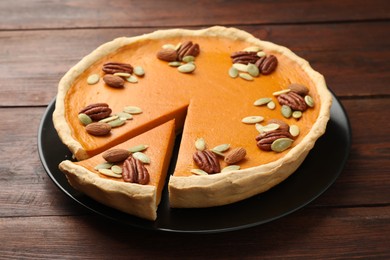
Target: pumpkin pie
x=249, y=112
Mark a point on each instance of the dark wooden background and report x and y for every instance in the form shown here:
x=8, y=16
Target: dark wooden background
x=346, y=40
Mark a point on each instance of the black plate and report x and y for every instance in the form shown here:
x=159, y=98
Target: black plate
x=319, y=170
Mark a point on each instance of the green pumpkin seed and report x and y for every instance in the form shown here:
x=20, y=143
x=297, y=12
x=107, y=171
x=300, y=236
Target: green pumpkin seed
x=175, y=63
x=294, y=130
x=200, y=144
x=233, y=72
x=116, y=123
x=93, y=79
x=262, y=101
x=245, y=76
x=138, y=148
x=270, y=127
x=168, y=46
x=188, y=58
x=240, y=67
x=178, y=46
x=116, y=169
x=84, y=119
x=124, y=116
x=281, y=144
x=132, y=110
x=309, y=101
x=231, y=168
x=198, y=172
x=105, y=165
x=253, y=70
x=286, y=111
x=252, y=119
x=271, y=105
x=252, y=49
x=132, y=79
x=139, y=71
x=261, y=54
x=142, y=157
x=122, y=74
x=259, y=127
x=218, y=153
x=221, y=148
x=108, y=119
x=187, y=68
x=280, y=92
x=109, y=173
x=297, y=114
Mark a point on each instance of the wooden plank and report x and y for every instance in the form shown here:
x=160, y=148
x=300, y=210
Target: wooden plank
x=23, y=180
x=311, y=233
x=17, y=15
x=34, y=61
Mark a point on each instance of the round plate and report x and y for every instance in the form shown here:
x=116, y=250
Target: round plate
x=319, y=170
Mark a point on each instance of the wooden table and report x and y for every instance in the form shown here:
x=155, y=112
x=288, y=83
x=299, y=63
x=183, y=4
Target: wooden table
x=348, y=41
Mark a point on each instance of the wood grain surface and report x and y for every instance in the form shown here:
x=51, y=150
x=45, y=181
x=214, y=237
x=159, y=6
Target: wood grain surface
x=348, y=41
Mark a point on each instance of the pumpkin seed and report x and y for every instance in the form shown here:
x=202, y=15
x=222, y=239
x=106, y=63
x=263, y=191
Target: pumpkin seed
x=132, y=110
x=270, y=127
x=104, y=165
x=253, y=70
x=252, y=119
x=240, y=67
x=84, y=119
x=187, y=68
x=262, y=101
x=124, y=116
x=259, y=127
x=286, y=111
x=116, y=169
x=178, y=46
x=188, y=58
x=168, y=46
x=218, y=153
x=283, y=91
x=122, y=74
x=198, y=172
x=109, y=173
x=281, y=144
x=93, y=79
x=221, y=148
x=233, y=72
x=138, y=148
x=309, y=101
x=116, y=123
x=231, y=168
x=142, y=157
x=174, y=63
x=297, y=114
x=261, y=54
x=108, y=119
x=245, y=76
x=139, y=71
x=253, y=49
x=271, y=105
x=200, y=144
x=294, y=130
x=132, y=79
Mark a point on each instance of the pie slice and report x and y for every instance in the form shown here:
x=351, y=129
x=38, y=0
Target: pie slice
x=249, y=110
x=135, y=199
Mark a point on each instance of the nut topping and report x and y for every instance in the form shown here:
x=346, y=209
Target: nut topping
x=188, y=49
x=114, y=81
x=299, y=89
x=134, y=171
x=116, y=155
x=117, y=67
x=293, y=100
x=268, y=65
x=96, y=111
x=265, y=140
x=167, y=55
x=207, y=161
x=235, y=155
x=98, y=129
x=244, y=57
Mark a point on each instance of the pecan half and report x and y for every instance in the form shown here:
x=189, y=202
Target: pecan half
x=244, y=57
x=207, y=161
x=293, y=100
x=188, y=48
x=268, y=65
x=115, y=67
x=134, y=171
x=97, y=111
x=265, y=140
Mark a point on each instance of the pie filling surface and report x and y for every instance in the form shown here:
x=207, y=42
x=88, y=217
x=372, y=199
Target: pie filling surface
x=205, y=103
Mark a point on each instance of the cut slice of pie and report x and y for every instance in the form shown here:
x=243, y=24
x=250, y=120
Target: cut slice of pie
x=101, y=181
x=249, y=110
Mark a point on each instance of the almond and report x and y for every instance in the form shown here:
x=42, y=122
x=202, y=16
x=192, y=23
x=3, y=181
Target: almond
x=299, y=89
x=98, y=128
x=235, y=155
x=114, y=81
x=167, y=55
x=116, y=155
